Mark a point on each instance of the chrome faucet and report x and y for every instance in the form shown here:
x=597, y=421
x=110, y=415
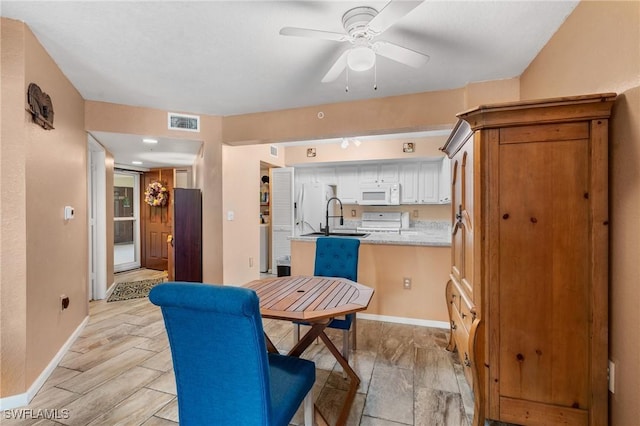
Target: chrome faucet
x=326, y=228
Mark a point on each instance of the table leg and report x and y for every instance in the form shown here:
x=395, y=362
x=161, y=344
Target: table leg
x=317, y=330
x=271, y=348
x=353, y=384
x=302, y=345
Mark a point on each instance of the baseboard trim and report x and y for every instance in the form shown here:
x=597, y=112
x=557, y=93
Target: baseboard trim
x=20, y=400
x=404, y=320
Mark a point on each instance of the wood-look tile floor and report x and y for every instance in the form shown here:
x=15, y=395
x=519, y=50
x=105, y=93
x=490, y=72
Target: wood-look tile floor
x=119, y=371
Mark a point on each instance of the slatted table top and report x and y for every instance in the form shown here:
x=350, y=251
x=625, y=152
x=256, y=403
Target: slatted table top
x=310, y=298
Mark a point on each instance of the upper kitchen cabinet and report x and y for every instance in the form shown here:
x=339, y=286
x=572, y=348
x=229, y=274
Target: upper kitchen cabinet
x=348, y=184
x=444, y=191
x=429, y=182
x=326, y=175
x=409, y=177
x=380, y=173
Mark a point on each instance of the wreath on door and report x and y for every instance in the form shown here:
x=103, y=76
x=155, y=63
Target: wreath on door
x=156, y=195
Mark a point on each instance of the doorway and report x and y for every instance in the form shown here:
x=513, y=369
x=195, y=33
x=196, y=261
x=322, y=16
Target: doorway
x=126, y=218
x=157, y=222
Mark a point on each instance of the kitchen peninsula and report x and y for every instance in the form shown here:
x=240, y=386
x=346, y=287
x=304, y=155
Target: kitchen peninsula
x=386, y=260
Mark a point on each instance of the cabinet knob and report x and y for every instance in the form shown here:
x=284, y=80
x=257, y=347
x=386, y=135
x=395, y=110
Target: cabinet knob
x=453, y=325
x=463, y=315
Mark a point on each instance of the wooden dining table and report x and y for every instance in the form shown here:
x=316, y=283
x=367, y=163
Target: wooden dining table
x=316, y=301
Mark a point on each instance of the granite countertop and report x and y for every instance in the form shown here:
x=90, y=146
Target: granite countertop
x=433, y=236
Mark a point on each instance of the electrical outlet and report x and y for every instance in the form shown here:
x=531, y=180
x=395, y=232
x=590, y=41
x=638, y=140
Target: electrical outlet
x=612, y=377
x=406, y=283
x=251, y=262
x=415, y=213
x=353, y=213
x=64, y=302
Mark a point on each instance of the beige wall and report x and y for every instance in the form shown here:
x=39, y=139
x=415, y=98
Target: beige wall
x=107, y=117
x=496, y=91
x=596, y=50
x=409, y=113
x=241, y=188
x=387, y=149
x=383, y=267
x=13, y=223
x=43, y=256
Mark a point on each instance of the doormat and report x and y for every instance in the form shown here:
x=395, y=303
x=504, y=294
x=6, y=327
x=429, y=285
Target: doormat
x=133, y=289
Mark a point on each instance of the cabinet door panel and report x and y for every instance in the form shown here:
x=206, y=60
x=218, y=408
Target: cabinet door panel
x=348, y=184
x=389, y=173
x=462, y=238
x=429, y=173
x=409, y=183
x=369, y=173
x=544, y=272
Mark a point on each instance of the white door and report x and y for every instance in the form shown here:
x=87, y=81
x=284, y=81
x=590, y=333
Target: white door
x=282, y=220
x=96, y=198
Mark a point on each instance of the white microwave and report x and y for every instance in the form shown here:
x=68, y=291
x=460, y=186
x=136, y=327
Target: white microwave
x=379, y=194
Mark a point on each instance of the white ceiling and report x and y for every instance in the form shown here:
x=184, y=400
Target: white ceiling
x=227, y=57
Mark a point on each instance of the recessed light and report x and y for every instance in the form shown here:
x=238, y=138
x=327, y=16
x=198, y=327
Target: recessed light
x=149, y=140
x=137, y=163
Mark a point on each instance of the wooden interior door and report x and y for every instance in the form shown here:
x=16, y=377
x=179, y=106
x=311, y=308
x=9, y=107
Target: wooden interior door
x=156, y=222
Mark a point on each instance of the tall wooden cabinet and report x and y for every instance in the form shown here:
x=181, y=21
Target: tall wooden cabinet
x=527, y=294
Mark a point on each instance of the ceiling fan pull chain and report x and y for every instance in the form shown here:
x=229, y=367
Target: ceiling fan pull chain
x=346, y=87
x=375, y=76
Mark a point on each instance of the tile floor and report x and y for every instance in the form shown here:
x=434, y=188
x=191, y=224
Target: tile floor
x=119, y=371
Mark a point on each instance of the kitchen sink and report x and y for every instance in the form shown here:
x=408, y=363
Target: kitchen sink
x=337, y=234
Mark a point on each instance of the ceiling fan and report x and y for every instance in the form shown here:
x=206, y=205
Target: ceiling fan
x=362, y=25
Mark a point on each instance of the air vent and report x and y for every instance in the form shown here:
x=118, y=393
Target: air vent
x=190, y=123
x=274, y=150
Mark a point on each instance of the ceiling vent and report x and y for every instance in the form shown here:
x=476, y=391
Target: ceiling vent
x=274, y=150
x=190, y=123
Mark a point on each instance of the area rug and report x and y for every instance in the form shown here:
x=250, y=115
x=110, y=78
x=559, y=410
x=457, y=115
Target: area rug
x=133, y=289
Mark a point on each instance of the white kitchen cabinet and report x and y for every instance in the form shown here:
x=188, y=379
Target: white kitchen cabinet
x=429, y=182
x=409, y=174
x=389, y=173
x=368, y=173
x=348, y=184
x=326, y=175
x=380, y=173
x=444, y=190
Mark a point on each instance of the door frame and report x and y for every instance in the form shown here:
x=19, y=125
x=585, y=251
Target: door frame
x=136, y=220
x=97, y=219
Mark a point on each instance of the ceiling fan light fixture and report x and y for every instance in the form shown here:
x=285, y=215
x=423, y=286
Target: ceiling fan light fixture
x=361, y=58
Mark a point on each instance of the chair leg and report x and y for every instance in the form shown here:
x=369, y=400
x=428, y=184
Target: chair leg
x=345, y=344
x=355, y=332
x=308, y=408
x=296, y=333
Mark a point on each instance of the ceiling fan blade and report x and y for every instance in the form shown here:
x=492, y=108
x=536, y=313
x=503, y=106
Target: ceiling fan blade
x=306, y=32
x=337, y=68
x=400, y=54
x=391, y=13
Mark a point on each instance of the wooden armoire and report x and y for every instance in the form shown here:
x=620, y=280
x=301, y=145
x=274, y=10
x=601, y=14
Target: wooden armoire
x=528, y=288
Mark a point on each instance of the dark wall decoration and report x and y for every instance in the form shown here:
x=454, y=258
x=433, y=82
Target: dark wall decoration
x=40, y=106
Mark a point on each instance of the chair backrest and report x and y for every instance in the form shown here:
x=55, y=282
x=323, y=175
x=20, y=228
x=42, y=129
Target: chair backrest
x=219, y=353
x=337, y=257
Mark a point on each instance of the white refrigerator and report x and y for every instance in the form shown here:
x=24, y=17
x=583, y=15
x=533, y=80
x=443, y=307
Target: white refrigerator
x=311, y=207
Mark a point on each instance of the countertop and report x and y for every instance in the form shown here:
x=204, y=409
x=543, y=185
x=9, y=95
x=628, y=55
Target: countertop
x=409, y=237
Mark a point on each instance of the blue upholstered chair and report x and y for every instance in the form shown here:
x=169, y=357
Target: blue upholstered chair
x=337, y=257
x=224, y=375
